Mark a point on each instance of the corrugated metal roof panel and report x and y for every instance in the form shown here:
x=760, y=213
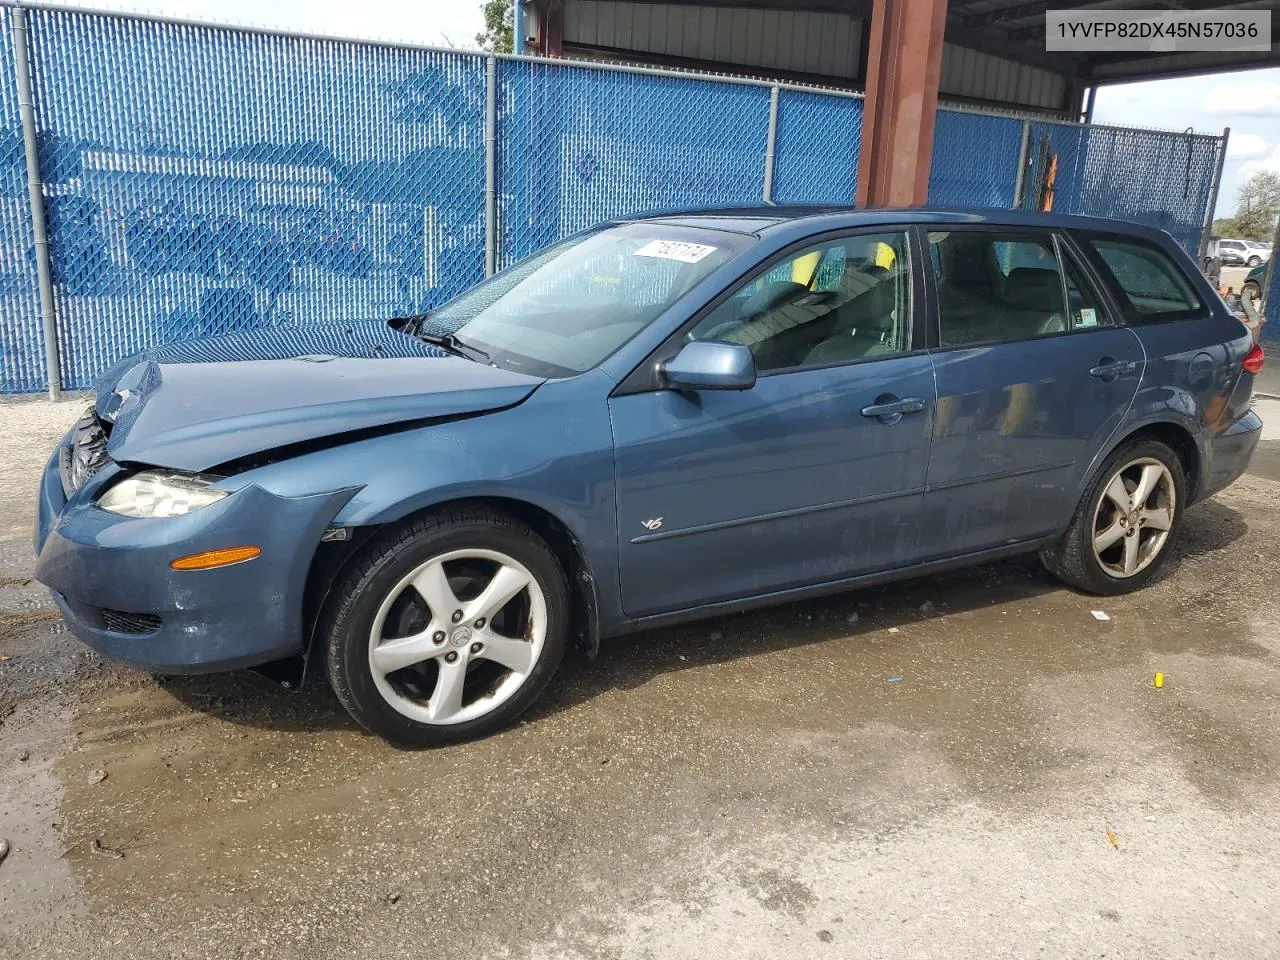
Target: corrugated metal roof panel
x=795, y=41
x=981, y=76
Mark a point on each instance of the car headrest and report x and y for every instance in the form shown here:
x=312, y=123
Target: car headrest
x=966, y=264
x=1032, y=288
x=859, y=276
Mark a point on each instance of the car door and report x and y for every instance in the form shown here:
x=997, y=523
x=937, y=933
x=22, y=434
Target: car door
x=814, y=474
x=1193, y=351
x=1033, y=377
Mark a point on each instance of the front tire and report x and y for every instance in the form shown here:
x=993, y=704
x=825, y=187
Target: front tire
x=1254, y=261
x=1126, y=524
x=447, y=627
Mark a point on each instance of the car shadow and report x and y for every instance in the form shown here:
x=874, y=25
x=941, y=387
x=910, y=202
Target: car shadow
x=631, y=661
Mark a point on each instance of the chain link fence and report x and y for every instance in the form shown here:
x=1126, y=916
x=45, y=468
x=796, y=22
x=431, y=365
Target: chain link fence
x=22, y=366
x=1164, y=180
x=818, y=140
x=577, y=145
x=975, y=160
x=201, y=180
x=1270, y=332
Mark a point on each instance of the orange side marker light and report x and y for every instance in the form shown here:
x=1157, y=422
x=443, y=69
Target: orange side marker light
x=222, y=557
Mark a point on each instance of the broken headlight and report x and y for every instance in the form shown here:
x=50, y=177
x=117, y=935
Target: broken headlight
x=156, y=494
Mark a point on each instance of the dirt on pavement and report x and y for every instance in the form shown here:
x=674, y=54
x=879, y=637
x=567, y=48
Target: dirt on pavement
x=970, y=765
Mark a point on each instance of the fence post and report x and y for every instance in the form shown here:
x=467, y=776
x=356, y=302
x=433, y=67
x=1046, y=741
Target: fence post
x=44, y=274
x=491, y=167
x=1213, y=200
x=1024, y=152
x=770, y=144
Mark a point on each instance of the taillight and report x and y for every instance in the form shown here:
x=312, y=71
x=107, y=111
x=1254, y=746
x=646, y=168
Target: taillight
x=1253, y=360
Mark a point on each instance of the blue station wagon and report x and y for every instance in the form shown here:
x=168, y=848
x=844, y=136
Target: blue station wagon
x=655, y=420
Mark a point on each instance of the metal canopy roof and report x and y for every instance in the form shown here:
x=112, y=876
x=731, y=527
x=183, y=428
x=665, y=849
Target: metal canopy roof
x=1014, y=30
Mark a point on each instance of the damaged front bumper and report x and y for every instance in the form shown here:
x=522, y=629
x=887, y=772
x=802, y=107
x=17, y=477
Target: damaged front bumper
x=111, y=578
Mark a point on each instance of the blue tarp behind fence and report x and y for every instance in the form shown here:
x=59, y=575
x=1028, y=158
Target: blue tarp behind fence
x=201, y=179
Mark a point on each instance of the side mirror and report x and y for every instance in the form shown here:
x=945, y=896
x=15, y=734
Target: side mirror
x=711, y=365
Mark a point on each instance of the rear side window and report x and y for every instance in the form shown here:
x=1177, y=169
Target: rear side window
x=1154, y=287
x=995, y=287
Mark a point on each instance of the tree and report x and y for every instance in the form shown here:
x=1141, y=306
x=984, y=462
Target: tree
x=1257, y=208
x=498, y=36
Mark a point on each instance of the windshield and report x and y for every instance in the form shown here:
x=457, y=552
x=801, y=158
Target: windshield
x=565, y=309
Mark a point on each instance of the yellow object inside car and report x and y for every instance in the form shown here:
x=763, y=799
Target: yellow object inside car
x=803, y=268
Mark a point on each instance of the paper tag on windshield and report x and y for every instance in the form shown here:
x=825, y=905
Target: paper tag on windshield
x=675, y=250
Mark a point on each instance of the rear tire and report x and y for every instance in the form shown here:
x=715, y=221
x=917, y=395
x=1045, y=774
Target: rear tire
x=1254, y=261
x=447, y=627
x=1126, y=524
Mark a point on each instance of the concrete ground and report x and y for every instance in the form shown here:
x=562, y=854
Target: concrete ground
x=1234, y=277
x=966, y=766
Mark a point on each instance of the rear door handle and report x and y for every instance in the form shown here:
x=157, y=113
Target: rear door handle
x=1109, y=368
x=889, y=409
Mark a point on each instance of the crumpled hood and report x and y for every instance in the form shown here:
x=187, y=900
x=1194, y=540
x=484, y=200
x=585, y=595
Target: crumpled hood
x=197, y=404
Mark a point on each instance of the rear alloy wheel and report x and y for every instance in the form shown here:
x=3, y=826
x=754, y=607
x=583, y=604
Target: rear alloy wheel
x=447, y=629
x=1125, y=524
x=1132, y=520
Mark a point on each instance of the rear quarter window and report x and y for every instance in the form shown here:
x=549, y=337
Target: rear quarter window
x=1149, y=283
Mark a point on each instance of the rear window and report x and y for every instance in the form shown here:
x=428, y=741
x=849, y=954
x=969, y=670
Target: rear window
x=1153, y=285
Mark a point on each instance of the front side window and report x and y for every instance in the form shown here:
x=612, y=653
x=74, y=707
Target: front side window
x=566, y=309
x=996, y=287
x=1152, y=284
x=838, y=302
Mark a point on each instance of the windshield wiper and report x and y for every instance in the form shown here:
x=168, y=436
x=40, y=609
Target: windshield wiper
x=446, y=341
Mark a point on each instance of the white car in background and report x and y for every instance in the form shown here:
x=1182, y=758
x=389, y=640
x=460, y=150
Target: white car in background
x=1233, y=253
x=1257, y=253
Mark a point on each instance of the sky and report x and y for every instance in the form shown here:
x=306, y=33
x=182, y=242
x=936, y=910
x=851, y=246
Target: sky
x=1248, y=102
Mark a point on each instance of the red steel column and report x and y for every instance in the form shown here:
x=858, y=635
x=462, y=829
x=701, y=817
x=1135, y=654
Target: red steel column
x=904, y=61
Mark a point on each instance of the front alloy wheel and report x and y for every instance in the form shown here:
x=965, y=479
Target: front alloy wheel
x=446, y=627
x=457, y=636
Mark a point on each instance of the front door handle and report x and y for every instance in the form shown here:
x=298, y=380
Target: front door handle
x=889, y=408
x=1109, y=368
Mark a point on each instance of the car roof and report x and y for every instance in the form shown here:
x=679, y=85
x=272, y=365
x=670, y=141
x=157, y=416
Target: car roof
x=802, y=220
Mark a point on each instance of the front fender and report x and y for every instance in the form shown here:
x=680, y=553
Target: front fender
x=553, y=453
